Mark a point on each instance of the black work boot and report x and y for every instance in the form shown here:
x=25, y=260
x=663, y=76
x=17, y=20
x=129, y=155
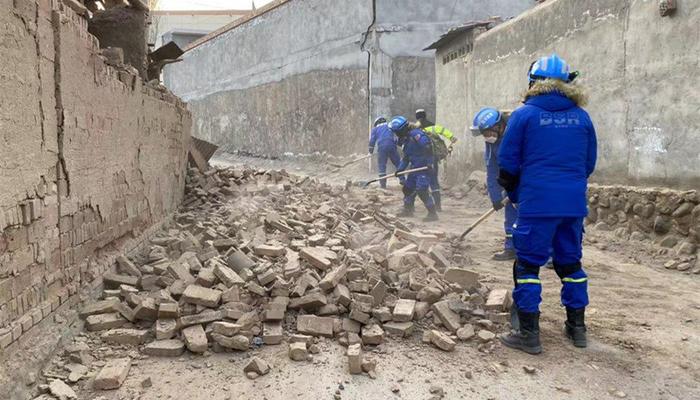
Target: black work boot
x=505, y=255
x=432, y=216
x=575, y=327
x=437, y=199
x=527, y=338
x=406, y=212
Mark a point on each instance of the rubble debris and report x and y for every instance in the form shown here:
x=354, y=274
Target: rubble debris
x=258, y=366
x=254, y=258
x=61, y=390
x=113, y=374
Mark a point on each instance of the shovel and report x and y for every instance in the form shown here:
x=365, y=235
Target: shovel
x=482, y=219
x=408, y=171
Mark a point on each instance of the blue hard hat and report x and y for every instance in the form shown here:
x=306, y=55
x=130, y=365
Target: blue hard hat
x=552, y=67
x=485, y=119
x=398, y=124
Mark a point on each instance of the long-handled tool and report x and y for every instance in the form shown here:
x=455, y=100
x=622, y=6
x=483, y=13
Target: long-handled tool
x=483, y=218
x=408, y=171
x=352, y=162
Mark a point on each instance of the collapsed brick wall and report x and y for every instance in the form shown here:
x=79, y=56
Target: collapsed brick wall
x=91, y=158
x=671, y=218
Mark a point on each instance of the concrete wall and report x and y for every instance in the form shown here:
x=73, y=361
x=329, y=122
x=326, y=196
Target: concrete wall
x=299, y=77
x=90, y=159
x=640, y=70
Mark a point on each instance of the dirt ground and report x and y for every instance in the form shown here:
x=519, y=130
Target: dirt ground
x=644, y=336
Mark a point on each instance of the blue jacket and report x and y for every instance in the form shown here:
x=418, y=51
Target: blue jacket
x=382, y=137
x=491, y=160
x=550, y=143
x=417, y=150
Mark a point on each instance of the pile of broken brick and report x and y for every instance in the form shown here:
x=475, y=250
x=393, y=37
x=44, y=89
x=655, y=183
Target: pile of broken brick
x=257, y=258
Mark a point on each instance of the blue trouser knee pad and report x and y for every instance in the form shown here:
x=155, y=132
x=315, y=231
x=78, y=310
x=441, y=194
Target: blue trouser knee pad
x=527, y=294
x=574, y=290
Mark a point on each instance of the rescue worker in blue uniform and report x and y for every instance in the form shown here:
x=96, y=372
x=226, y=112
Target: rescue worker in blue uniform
x=417, y=153
x=438, y=134
x=548, y=152
x=386, y=142
x=491, y=124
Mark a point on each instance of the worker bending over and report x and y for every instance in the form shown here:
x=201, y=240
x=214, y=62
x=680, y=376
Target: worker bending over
x=386, y=142
x=438, y=134
x=491, y=124
x=547, y=154
x=417, y=153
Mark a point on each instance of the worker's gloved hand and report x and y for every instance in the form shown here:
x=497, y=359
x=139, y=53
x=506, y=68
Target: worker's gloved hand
x=371, y=150
x=497, y=205
x=508, y=181
x=402, y=180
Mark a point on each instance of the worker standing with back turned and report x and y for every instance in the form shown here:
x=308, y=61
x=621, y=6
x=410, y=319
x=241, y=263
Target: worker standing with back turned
x=491, y=124
x=438, y=134
x=548, y=152
x=384, y=139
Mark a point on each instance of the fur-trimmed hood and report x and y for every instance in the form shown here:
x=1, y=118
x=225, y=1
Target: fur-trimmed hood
x=549, y=86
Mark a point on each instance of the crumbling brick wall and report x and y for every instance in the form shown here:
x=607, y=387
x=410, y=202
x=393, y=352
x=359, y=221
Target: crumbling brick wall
x=90, y=159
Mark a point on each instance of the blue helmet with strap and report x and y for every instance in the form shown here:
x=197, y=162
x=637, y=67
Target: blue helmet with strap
x=551, y=67
x=485, y=119
x=398, y=124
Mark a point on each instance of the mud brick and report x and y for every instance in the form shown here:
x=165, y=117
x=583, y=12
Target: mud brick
x=449, y=318
x=166, y=329
x=180, y=271
x=103, y=322
x=267, y=277
x=202, y=296
x=269, y=250
x=235, y=310
x=257, y=365
x=318, y=257
x=249, y=320
x=359, y=316
x=125, y=311
x=227, y=276
x=332, y=278
x=378, y=293
x=464, y=278
x=382, y=314
x=309, y=302
x=225, y=328
x=168, y=311
x=415, y=237
x=404, y=310
x=238, y=342
x=100, y=307
x=147, y=310
x=498, y=317
x=238, y=261
x=342, y=293
x=5, y=337
x=125, y=336
x=297, y=351
x=256, y=289
x=498, y=300
x=112, y=280
x=315, y=326
x=442, y=341
x=274, y=312
x=440, y=260
x=350, y=325
x=359, y=286
x=400, y=329
x=205, y=278
x=372, y=335
x=151, y=282
x=232, y=294
x=297, y=338
x=272, y=333
x=355, y=359
x=165, y=348
x=201, y=318
x=361, y=306
x=328, y=309
x=177, y=288
x=127, y=267
x=113, y=374
x=355, y=274
x=195, y=338
x=429, y=294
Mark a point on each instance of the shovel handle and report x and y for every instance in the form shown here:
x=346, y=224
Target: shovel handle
x=396, y=175
x=481, y=219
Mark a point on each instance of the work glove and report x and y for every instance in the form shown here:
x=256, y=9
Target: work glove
x=508, y=181
x=371, y=150
x=497, y=205
x=402, y=180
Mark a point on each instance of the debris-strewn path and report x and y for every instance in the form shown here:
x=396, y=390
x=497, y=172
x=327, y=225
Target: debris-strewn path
x=270, y=270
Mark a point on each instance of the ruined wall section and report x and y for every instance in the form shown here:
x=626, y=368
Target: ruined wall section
x=644, y=107
x=91, y=159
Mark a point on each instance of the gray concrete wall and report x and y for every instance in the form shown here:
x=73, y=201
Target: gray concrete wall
x=297, y=79
x=640, y=70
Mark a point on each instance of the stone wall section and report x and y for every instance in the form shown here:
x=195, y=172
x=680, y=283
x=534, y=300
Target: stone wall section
x=91, y=159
